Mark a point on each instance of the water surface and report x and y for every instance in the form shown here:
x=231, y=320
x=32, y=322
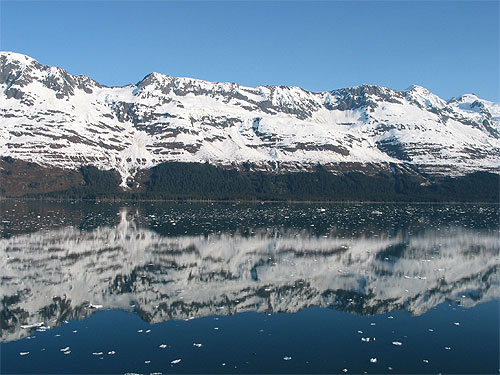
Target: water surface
x=249, y=288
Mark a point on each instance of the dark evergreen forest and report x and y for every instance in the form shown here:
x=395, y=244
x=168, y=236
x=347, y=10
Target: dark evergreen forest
x=182, y=181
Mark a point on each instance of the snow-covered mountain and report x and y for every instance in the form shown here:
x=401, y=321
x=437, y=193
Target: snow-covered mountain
x=53, y=118
x=55, y=274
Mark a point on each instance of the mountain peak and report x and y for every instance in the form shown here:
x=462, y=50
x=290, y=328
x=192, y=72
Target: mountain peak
x=14, y=57
x=424, y=98
x=54, y=118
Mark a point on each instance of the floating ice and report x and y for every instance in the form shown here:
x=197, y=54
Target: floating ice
x=397, y=343
x=286, y=358
x=112, y=352
x=163, y=346
x=64, y=349
x=365, y=339
x=35, y=325
x=345, y=370
x=176, y=361
x=24, y=353
x=447, y=348
x=425, y=360
x=457, y=323
x=97, y=353
x=373, y=360
x=147, y=362
x=198, y=345
x=67, y=352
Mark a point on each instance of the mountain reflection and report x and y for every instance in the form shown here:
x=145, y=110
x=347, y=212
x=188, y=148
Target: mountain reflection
x=55, y=273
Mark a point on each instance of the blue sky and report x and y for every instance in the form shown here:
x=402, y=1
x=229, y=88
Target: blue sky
x=449, y=47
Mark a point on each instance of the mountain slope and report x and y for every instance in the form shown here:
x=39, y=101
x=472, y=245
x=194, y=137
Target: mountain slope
x=56, y=119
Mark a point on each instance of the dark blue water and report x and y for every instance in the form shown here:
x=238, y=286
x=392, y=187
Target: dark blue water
x=191, y=288
x=317, y=340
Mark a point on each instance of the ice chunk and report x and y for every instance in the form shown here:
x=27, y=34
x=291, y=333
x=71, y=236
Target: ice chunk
x=35, y=325
x=97, y=353
x=175, y=361
x=24, y=353
x=373, y=360
x=198, y=345
x=397, y=343
x=64, y=349
x=287, y=358
x=163, y=346
x=112, y=352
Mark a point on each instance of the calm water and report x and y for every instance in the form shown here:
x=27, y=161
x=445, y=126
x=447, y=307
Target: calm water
x=249, y=288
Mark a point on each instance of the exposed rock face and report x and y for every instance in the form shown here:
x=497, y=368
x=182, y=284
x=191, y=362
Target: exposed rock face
x=56, y=119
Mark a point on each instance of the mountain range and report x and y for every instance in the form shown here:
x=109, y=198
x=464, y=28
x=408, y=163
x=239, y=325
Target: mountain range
x=61, y=122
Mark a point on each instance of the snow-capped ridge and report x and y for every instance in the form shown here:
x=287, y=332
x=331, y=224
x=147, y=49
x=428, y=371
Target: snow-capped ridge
x=54, y=118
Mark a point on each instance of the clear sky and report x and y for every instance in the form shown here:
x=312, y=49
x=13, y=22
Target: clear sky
x=449, y=47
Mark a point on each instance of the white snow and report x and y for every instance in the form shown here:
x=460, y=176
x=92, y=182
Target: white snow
x=190, y=120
